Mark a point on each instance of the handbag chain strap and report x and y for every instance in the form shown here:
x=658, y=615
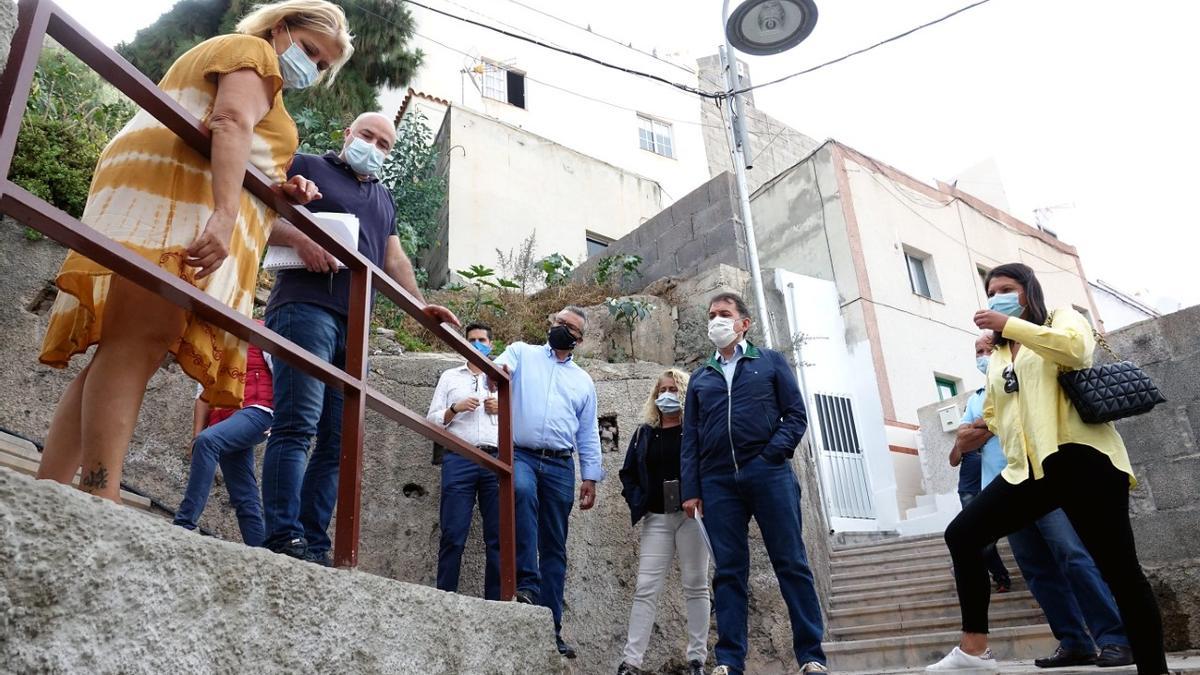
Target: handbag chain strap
x=1095, y=334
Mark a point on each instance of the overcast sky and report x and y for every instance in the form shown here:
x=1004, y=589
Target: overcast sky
x=1083, y=103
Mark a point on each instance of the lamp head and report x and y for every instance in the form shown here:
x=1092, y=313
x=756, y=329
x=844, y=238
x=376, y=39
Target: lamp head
x=764, y=27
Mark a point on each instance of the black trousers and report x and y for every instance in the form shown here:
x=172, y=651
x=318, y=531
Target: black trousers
x=1095, y=496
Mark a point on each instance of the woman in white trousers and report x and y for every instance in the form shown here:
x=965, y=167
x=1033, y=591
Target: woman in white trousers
x=650, y=480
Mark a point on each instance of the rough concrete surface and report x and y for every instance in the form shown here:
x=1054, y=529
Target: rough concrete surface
x=89, y=586
x=1164, y=447
x=399, y=532
x=653, y=338
x=8, y=26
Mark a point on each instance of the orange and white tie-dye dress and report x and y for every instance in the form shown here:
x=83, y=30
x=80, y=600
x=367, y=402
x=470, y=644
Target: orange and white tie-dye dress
x=153, y=193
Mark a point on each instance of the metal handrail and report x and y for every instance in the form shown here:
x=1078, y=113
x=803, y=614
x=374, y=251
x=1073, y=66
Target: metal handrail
x=40, y=18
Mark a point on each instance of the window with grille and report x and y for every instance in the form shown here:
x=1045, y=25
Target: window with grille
x=505, y=85
x=655, y=136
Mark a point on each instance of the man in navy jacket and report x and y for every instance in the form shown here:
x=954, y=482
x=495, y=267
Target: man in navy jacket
x=743, y=419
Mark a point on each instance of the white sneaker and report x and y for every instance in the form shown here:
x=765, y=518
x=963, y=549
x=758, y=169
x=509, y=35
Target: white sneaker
x=962, y=663
x=721, y=670
x=814, y=667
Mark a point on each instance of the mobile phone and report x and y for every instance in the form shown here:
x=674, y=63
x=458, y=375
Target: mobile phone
x=671, y=502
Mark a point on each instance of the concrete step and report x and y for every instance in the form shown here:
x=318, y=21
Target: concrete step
x=909, y=610
x=883, y=574
x=919, y=512
x=22, y=464
x=904, y=559
x=1179, y=664
x=917, y=590
x=897, y=652
x=1021, y=616
x=897, y=546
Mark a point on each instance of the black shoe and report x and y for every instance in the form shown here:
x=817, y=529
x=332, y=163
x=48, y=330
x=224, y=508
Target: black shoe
x=564, y=648
x=1003, y=585
x=1112, y=656
x=695, y=667
x=1063, y=658
x=626, y=669
x=524, y=598
x=295, y=548
x=321, y=559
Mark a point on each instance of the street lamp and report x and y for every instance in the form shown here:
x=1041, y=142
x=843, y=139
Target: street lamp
x=759, y=27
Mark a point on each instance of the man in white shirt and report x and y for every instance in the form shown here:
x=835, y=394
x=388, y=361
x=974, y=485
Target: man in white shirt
x=463, y=404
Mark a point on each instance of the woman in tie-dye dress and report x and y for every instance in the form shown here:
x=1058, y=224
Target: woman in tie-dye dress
x=190, y=216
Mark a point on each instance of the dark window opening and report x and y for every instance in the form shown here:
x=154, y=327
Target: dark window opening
x=516, y=89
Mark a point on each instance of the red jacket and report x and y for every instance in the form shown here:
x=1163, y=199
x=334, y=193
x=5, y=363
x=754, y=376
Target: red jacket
x=258, y=387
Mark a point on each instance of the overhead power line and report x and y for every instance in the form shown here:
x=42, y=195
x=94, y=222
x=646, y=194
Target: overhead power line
x=678, y=85
x=864, y=49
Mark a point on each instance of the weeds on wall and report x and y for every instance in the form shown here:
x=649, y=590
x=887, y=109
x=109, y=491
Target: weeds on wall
x=629, y=312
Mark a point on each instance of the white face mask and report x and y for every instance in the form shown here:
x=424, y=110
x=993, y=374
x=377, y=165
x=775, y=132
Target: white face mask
x=720, y=331
x=668, y=403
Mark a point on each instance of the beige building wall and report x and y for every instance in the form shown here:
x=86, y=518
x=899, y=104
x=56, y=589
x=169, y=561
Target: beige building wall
x=505, y=183
x=927, y=338
x=842, y=216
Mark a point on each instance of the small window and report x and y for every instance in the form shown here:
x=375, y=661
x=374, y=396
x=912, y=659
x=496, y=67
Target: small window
x=917, y=276
x=946, y=387
x=597, y=244
x=655, y=136
x=505, y=85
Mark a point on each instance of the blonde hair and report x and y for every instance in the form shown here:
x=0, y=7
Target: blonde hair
x=318, y=16
x=650, y=413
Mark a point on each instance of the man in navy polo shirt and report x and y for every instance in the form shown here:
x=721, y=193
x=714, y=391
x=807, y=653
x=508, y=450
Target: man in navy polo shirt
x=310, y=307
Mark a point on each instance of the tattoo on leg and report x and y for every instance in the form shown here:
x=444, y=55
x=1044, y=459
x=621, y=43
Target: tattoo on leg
x=95, y=480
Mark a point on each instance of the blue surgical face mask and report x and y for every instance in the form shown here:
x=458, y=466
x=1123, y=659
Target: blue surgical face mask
x=364, y=158
x=299, y=72
x=981, y=362
x=668, y=403
x=482, y=347
x=1006, y=303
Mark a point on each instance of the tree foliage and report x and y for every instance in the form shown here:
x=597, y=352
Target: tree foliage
x=185, y=25
x=70, y=117
x=382, y=31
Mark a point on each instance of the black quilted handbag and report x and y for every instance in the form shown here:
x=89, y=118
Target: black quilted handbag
x=1110, y=391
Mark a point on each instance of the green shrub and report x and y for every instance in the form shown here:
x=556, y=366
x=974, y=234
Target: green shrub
x=70, y=117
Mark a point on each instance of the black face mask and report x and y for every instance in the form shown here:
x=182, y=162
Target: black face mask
x=560, y=338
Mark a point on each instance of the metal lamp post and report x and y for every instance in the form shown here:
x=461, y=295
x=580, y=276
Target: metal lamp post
x=758, y=27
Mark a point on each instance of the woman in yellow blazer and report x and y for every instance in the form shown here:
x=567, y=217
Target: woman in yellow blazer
x=1055, y=460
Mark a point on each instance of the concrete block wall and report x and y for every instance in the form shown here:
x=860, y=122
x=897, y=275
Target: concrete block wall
x=698, y=232
x=774, y=146
x=1164, y=447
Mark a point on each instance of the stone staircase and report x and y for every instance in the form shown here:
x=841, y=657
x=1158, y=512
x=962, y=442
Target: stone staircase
x=894, y=608
x=22, y=456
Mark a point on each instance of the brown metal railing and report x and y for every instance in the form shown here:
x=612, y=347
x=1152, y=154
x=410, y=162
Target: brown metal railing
x=39, y=18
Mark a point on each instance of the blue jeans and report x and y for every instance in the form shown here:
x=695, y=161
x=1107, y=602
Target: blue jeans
x=229, y=443
x=770, y=494
x=991, y=556
x=1064, y=580
x=545, y=495
x=462, y=480
x=299, y=490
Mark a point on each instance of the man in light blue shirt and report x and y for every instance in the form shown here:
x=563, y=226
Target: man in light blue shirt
x=554, y=415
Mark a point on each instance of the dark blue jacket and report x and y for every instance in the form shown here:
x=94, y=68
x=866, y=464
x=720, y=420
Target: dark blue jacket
x=727, y=427
x=635, y=478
